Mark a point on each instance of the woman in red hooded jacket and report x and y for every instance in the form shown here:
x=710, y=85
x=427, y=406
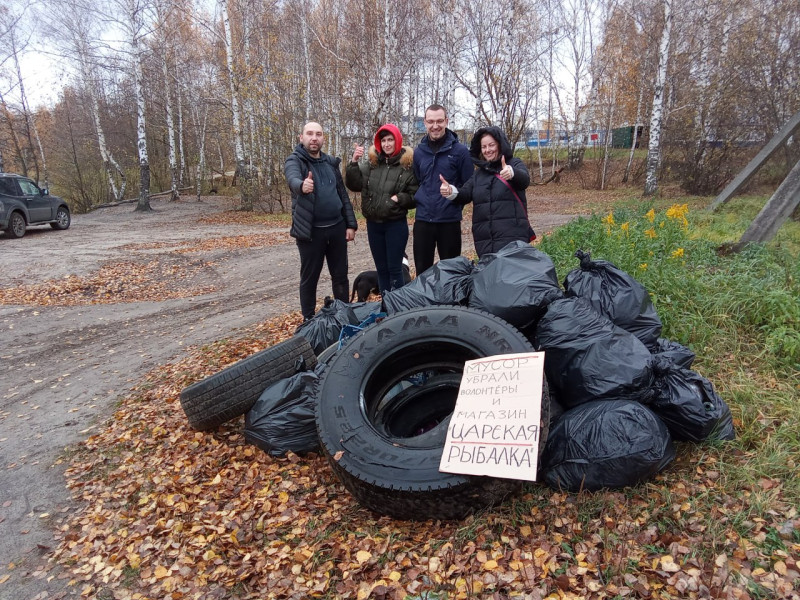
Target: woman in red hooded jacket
x=387, y=185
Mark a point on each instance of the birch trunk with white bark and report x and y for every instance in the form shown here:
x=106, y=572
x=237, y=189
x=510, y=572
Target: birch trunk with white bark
x=241, y=166
x=141, y=124
x=173, y=159
x=76, y=28
x=200, y=123
x=657, y=117
x=181, y=152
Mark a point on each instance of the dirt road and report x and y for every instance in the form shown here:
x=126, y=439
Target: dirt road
x=64, y=368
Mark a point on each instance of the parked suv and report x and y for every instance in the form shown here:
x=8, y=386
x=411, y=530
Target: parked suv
x=24, y=203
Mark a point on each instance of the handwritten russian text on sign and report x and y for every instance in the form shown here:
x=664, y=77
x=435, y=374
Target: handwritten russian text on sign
x=494, y=429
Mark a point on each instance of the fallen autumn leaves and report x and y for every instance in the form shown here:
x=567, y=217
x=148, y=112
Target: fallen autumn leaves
x=113, y=283
x=163, y=278
x=168, y=512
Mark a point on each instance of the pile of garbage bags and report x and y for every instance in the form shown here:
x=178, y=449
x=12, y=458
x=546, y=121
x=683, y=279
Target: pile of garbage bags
x=620, y=393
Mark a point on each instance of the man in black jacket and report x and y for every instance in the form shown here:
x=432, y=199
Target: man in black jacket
x=323, y=220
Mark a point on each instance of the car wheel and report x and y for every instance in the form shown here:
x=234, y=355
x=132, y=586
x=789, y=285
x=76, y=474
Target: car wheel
x=62, y=219
x=233, y=391
x=385, y=404
x=16, y=225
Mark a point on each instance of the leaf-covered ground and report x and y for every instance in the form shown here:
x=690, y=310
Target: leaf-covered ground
x=128, y=281
x=165, y=277
x=168, y=512
x=235, y=242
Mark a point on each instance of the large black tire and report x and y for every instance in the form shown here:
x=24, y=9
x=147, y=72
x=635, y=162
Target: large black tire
x=385, y=404
x=232, y=392
x=16, y=225
x=326, y=355
x=62, y=219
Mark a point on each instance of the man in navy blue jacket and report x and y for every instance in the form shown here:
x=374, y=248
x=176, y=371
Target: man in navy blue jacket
x=438, y=156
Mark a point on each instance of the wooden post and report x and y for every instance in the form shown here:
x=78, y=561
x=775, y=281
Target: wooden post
x=775, y=144
x=766, y=224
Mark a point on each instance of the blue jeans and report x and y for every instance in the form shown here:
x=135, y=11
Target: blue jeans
x=387, y=242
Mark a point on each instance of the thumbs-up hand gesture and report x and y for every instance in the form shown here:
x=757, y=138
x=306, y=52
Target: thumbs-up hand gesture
x=506, y=172
x=308, y=183
x=445, y=189
x=358, y=152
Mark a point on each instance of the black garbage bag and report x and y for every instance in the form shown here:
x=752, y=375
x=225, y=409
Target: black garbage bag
x=516, y=284
x=448, y=282
x=362, y=310
x=323, y=328
x=605, y=444
x=588, y=358
x=677, y=353
x=687, y=403
x=282, y=419
x=616, y=294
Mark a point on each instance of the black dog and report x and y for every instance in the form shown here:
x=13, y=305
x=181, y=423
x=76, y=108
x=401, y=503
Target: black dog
x=366, y=283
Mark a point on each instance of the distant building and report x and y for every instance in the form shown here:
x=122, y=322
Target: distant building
x=623, y=137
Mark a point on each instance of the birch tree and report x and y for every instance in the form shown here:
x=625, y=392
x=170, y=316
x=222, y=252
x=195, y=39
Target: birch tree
x=242, y=173
x=164, y=28
x=496, y=62
x=77, y=29
x=657, y=115
x=20, y=129
x=135, y=26
x=574, y=58
x=28, y=120
x=19, y=149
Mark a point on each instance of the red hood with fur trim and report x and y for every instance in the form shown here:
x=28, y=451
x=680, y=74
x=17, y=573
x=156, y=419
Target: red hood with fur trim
x=398, y=138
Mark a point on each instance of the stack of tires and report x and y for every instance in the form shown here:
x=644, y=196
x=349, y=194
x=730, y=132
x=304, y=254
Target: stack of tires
x=383, y=405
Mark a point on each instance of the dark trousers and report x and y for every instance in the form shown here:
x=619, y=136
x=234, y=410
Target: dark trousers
x=327, y=244
x=387, y=242
x=446, y=237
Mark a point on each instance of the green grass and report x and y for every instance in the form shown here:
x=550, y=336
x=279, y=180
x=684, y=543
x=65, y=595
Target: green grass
x=740, y=313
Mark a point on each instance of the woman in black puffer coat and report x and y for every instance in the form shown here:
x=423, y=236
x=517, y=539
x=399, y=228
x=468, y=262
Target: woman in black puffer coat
x=497, y=191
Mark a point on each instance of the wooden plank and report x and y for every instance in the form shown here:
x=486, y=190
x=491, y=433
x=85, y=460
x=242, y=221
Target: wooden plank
x=783, y=202
x=775, y=144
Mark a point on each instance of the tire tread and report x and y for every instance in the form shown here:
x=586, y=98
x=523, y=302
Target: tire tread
x=230, y=393
x=454, y=496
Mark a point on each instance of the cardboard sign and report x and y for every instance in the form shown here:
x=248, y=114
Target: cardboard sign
x=494, y=429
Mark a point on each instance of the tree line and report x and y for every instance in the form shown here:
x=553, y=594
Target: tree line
x=165, y=95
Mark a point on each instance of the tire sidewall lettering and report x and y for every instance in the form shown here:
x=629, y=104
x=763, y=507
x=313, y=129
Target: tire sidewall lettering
x=368, y=458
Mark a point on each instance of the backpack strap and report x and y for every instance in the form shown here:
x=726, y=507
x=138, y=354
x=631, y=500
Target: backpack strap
x=521, y=204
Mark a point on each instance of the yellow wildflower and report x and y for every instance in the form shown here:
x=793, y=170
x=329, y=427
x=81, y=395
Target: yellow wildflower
x=609, y=219
x=678, y=211
x=651, y=233
x=625, y=226
x=643, y=266
x=650, y=215
x=677, y=253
